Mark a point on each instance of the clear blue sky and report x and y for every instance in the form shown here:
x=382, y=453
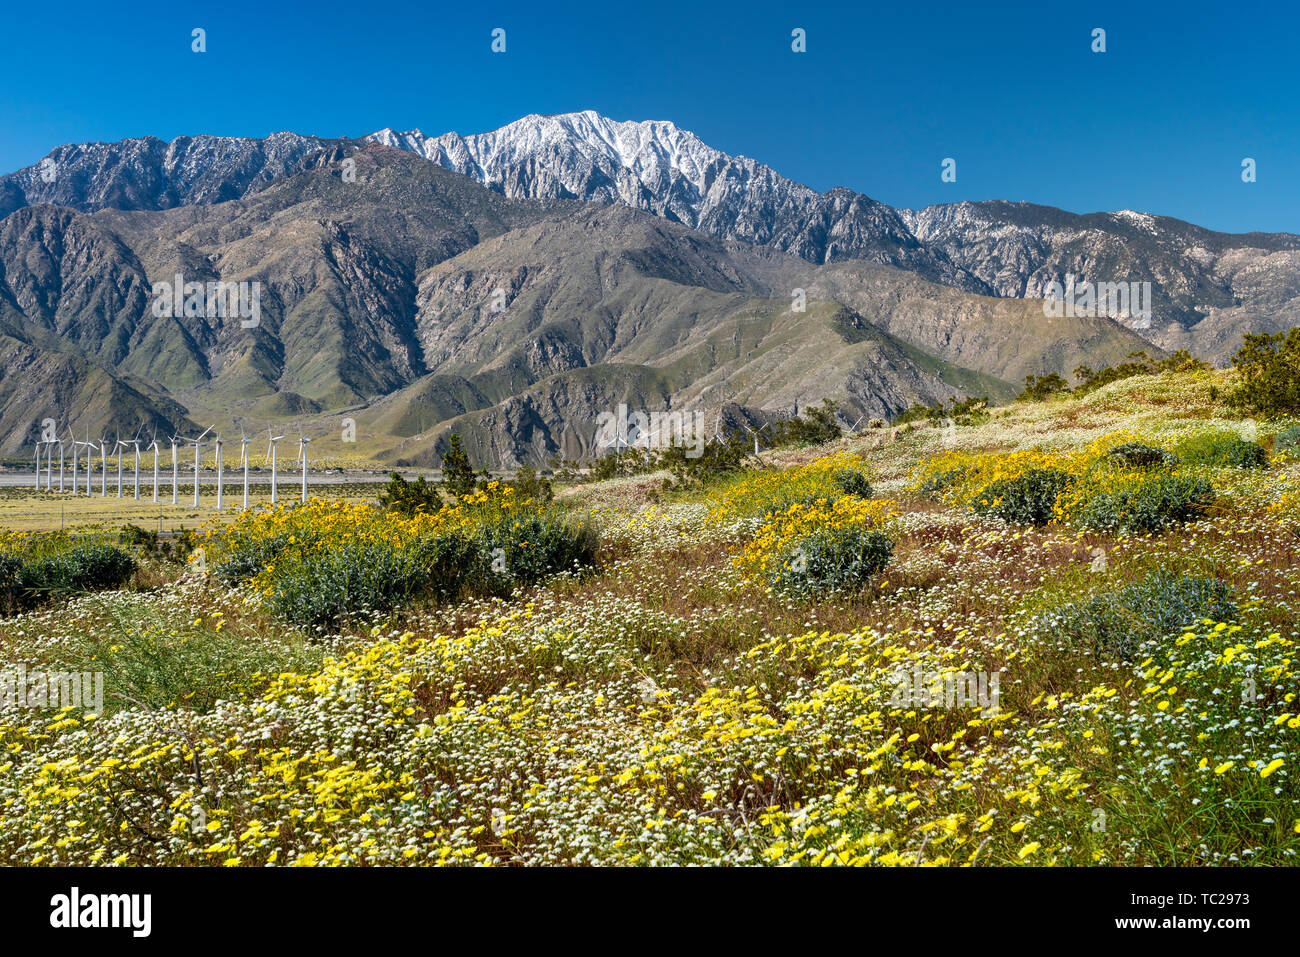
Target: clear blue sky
x=1012, y=91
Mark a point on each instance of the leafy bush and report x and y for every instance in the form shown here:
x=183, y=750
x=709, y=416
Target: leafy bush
x=1144, y=503
x=89, y=566
x=968, y=411
x=942, y=480
x=716, y=460
x=1223, y=449
x=323, y=586
x=133, y=536
x=1116, y=624
x=816, y=426
x=851, y=482
x=1136, y=455
x=538, y=546
x=1288, y=441
x=1269, y=370
x=529, y=485
x=246, y=556
x=832, y=560
x=407, y=498
x=1028, y=499
x=11, y=567
x=1038, y=388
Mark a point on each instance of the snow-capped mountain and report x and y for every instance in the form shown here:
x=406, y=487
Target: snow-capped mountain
x=1207, y=287
x=659, y=167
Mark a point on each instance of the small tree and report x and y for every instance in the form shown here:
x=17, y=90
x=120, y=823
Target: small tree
x=1269, y=367
x=457, y=473
x=815, y=426
x=1039, y=387
x=407, y=498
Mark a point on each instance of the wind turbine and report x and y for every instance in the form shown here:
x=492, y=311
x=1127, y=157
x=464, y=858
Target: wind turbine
x=49, y=467
x=243, y=458
x=117, y=447
x=271, y=440
x=90, y=461
x=754, y=434
x=103, y=458
x=38, y=465
x=302, y=457
x=75, y=444
x=60, y=444
x=198, y=445
x=174, y=467
x=153, y=444
x=135, y=443
x=219, y=472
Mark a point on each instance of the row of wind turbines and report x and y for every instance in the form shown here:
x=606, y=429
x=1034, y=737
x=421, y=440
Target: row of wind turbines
x=177, y=442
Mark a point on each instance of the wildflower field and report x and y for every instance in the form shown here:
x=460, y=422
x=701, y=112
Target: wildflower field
x=1066, y=635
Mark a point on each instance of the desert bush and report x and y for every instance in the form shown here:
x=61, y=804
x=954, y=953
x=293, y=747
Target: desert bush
x=537, y=546
x=326, y=585
x=1041, y=387
x=88, y=566
x=816, y=426
x=1268, y=367
x=11, y=567
x=941, y=480
x=1222, y=449
x=1138, y=455
x=1114, y=625
x=1027, y=499
x=528, y=484
x=1141, y=503
x=1288, y=441
x=245, y=556
x=407, y=498
x=851, y=482
x=832, y=560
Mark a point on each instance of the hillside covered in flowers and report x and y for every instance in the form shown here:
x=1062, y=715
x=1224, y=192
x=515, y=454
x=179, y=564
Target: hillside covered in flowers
x=1061, y=632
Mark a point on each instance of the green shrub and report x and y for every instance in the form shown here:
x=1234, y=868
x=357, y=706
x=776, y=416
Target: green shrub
x=245, y=557
x=323, y=586
x=133, y=536
x=1136, y=455
x=11, y=567
x=1114, y=625
x=832, y=560
x=1288, y=441
x=816, y=426
x=1147, y=506
x=407, y=498
x=1268, y=367
x=1038, y=388
x=1028, y=499
x=538, y=546
x=851, y=482
x=529, y=485
x=1222, y=449
x=942, y=481
x=88, y=566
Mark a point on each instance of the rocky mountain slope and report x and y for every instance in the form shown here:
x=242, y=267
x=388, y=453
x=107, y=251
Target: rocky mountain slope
x=515, y=284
